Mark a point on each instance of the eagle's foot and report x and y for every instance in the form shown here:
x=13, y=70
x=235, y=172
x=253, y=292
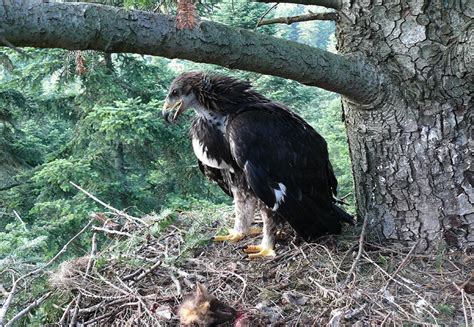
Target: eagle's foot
x=253, y=249
x=254, y=231
x=232, y=237
x=258, y=251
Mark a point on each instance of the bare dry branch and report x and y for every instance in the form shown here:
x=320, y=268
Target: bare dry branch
x=299, y=18
x=32, y=305
x=334, y=4
x=88, y=269
x=110, y=231
x=108, y=206
x=21, y=220
x=265, y=14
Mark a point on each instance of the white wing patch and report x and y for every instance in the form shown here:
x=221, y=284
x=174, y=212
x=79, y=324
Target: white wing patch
x=201, y=153
x=280, y=194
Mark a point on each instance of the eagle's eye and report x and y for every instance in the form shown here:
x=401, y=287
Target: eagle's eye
x=174, y=92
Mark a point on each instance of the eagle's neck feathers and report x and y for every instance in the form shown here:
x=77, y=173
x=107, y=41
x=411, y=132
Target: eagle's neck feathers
x=214, y=119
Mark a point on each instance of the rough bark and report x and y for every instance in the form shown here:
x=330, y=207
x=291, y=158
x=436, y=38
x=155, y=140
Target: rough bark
x=81, y=26
x=412, y=149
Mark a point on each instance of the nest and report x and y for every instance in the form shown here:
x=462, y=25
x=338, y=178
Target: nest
x=142, y=275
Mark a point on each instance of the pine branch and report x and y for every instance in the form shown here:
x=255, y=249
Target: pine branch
x=300, y=18
x=6, y=188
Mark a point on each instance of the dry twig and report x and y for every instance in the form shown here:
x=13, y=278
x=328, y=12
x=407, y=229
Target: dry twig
x=108, y=206
x=299, y=18
x=30, y=307
x=359, y=254
x=265, y=14
x=21, y=220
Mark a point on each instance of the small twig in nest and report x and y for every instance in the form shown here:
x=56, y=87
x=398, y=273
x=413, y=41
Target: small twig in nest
x=110, y=231
x=403, y=263
x=400, y=283
x=359, y=254
x=179, y=289
x=88, y=270
x=66, y=312
x=464, y=299
x=146, y=272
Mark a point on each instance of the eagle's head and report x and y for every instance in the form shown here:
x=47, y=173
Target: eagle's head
x=208, y=94
x=182, y=94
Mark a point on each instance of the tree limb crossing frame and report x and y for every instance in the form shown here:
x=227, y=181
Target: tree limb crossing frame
x=84, y=26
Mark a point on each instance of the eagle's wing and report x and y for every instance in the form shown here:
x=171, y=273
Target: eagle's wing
x=286, y=165
x=216, y=175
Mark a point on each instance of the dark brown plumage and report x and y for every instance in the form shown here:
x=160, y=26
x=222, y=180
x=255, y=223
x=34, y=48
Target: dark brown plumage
x=261, y=153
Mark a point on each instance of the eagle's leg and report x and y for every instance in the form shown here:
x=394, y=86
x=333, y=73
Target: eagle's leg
x=266, y=248
x=244, y=207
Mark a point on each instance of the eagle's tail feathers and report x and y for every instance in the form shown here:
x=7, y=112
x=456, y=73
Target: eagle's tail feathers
x=343, y=215
x=312, y=219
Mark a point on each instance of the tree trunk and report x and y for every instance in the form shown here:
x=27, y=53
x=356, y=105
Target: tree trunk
x=410, y=149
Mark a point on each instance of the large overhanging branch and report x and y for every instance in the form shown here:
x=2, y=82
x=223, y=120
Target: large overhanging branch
x=335, y=4
x=81, y=26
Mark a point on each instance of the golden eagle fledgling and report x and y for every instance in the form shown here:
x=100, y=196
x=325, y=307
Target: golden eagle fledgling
x=262, y=154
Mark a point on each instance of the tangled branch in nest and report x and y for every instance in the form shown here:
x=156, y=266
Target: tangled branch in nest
x=143, y=278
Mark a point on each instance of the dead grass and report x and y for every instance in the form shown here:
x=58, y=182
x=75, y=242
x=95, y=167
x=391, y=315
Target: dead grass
x=142, y=274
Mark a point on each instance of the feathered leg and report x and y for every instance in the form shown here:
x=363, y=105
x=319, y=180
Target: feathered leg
x=244, y=207
x=266, y=248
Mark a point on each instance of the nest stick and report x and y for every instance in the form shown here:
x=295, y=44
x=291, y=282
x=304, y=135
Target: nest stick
x=359, y=253
x=108, y=206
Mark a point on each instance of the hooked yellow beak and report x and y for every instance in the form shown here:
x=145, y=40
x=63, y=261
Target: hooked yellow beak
x=168, y=108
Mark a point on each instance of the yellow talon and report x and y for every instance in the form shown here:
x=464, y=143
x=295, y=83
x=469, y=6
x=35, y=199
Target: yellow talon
x=255, y=231
x=253, y=249
x=264, y=253
x=231, y=237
